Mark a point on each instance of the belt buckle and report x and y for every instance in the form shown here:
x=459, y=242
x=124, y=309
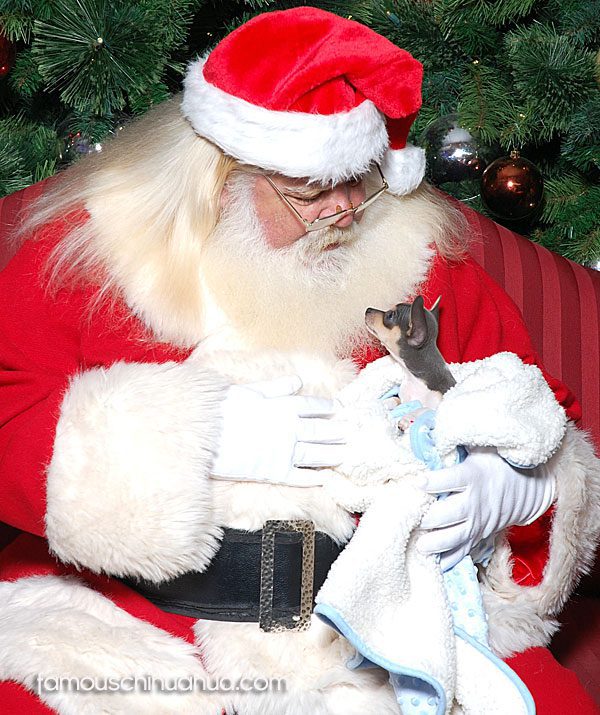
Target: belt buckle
x=266, y=619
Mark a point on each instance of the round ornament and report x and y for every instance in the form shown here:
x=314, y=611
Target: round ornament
x=74, y=144
x=512, y=187
x=595, y=264
x=453, y=153
x=7, y=55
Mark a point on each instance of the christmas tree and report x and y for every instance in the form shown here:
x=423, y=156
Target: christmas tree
x=501, y=76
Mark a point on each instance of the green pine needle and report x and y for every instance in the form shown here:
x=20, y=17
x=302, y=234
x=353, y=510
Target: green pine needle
x=24, y=76
x=13, y=173
x=579, y=20
x=24, y=148
x=581, y=145
x=478, y=13
x=96, y=53
x=487, y=104
x=552, y=73
x=571, y=218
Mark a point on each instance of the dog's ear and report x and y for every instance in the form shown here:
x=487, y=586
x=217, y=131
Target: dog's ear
x=417, y=331
x=435, y=309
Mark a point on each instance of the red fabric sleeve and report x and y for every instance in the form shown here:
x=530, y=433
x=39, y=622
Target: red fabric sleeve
x=478, y=319
x=45, y=340
x=39, y=350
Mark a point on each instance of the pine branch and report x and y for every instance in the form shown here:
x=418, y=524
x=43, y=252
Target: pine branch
x=478, y=13
x=153, y=94
x=16, y=28
x=90, y=126
x=554, y=75
x=25, y=149
x=441, y=90
x=581, y=145
x=13, y=174
x=486, y=104
x=413, y=26
x=579, y=20
x=571, y=218
x=96, y=53
x=25, y=78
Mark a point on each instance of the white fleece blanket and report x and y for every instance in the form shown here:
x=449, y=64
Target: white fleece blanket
x=390, y=602
x=388, y=599
x=498, y=402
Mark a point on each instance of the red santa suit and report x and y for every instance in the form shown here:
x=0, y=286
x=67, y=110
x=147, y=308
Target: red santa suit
x=104, y=379
x=110, y=419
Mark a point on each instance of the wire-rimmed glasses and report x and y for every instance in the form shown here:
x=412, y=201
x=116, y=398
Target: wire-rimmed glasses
x=325, y=221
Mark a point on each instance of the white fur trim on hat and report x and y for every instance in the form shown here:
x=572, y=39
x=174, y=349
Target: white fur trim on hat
x=324, y=148
x=404, y=169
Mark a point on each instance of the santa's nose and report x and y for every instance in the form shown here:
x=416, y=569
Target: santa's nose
x=345, y=220
x=338, y=200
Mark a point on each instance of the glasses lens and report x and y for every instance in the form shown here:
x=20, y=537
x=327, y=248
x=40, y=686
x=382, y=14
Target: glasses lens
x=368, y=201
x=334, y=218
x=326, y=221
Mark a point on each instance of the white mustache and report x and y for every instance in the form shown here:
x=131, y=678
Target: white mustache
x=319, y=241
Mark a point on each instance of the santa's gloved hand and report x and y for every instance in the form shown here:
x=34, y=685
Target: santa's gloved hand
x=485, y=496
x=270, y=434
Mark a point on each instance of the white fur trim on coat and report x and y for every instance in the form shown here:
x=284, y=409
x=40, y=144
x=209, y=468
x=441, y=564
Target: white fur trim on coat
x=324, y=148
x=56, y=627
x=312, y=663
x=45, y=620
x=404, y=169
x=128, y=491
x=501, y=402
x=522, y=617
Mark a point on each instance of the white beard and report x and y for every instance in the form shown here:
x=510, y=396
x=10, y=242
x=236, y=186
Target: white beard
x=305, y=296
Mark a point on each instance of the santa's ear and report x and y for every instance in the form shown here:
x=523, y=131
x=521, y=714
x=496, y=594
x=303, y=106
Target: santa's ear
x=224, y=196
x=417, y=331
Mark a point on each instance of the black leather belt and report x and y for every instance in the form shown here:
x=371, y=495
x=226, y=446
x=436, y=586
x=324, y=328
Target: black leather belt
x=269, y=576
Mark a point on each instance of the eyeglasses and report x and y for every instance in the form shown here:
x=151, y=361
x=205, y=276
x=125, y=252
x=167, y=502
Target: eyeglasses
x=325, y=221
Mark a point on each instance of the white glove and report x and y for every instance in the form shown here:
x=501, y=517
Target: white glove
x=269, y=434
x=486, y=496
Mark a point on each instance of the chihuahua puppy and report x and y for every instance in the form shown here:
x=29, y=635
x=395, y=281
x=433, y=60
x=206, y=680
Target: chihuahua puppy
x=409, y=332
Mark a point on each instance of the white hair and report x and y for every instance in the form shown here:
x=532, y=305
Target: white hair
x=136, y=219
x=152, y=196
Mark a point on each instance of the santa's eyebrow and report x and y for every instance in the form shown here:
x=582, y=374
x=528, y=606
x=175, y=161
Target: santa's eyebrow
x=306, y=189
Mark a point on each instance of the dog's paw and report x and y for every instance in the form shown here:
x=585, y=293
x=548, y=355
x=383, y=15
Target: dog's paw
x=405, y=422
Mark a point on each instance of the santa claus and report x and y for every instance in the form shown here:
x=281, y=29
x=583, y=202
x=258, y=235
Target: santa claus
x=235, y=234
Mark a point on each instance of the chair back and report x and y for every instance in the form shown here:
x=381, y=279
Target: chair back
x=560, y=303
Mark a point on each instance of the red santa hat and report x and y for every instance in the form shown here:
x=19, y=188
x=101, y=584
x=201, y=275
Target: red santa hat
x=306, y=93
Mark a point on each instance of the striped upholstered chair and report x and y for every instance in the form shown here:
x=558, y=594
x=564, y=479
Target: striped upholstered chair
x=560, y=302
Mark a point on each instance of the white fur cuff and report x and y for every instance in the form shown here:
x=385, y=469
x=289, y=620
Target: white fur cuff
x=521, y=617
x=59, y=637
x=128, y=490
x=501, y=402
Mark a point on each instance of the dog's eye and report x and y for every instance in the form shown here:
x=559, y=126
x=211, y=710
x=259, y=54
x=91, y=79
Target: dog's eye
x=390, y=314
